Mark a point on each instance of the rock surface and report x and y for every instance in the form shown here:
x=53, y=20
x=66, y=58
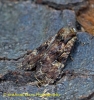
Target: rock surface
x=24, y=26
x=75, y=5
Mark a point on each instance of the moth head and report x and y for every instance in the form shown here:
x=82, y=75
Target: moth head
x=66, y=33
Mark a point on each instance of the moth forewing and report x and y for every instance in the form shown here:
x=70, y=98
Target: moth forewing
x=30, y=60
x=57, y=55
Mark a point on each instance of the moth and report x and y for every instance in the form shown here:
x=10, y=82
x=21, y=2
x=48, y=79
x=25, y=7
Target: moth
x=49, y=59
x=45, y=64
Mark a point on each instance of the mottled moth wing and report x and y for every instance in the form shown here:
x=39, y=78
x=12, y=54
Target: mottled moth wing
x=49, y=59
x=29, y=62
x=50, y=65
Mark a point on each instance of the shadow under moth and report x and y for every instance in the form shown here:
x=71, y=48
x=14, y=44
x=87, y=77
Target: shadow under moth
x=45, y=64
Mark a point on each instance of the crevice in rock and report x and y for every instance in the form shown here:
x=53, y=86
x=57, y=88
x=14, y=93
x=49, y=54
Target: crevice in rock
x=15, y=59
x=9, y=59
x=71, y=6
x=75, y=74
x=89, y=97
x=24, y=77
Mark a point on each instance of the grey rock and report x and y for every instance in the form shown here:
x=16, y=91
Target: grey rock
x=24, y=26
x=75, y=5
x=64, y=1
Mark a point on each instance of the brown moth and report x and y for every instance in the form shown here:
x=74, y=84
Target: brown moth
x=45, y=64
x=49, y=59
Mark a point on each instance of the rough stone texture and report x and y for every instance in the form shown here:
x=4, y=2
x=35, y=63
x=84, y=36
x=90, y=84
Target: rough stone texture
x=75, y=5
x=7, y=65
x=24, y=26
x=64, y=1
